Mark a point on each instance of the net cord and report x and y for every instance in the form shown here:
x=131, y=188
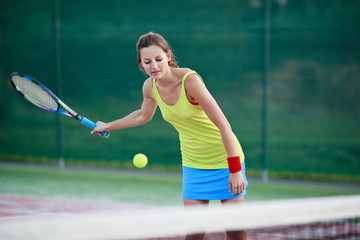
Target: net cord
x=177, y=221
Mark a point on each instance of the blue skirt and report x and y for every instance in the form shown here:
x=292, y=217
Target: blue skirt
x=204, y=184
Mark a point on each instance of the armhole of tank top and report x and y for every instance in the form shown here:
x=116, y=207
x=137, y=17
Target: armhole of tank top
x=183, y=83
x=189, y=73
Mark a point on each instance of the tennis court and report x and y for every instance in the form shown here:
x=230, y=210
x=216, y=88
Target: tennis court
x=39, y=198
x=44, y=218
x=285, y=73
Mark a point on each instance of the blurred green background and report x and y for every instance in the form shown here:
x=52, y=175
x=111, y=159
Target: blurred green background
x=313, y=80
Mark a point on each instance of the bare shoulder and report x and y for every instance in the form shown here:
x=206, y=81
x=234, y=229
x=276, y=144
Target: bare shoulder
x=148, y=82
x=196, y=89
x=193, y=80
x=148, y=88
x=180, y=72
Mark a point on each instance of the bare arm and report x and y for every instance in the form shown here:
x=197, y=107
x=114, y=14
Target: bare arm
x=136, y=118
x=197, y=92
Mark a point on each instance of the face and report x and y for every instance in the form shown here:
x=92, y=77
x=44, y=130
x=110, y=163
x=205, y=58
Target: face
x=154, y=61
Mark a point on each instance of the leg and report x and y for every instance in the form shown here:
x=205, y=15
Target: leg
x=189, y=203
x=238, y=234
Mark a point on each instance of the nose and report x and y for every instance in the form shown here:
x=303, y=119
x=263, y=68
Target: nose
x=154, y=65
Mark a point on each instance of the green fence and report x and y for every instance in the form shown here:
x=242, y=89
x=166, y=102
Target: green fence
x=313, y=85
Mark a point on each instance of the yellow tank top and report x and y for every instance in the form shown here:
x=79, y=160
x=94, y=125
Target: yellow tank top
x=200, y=140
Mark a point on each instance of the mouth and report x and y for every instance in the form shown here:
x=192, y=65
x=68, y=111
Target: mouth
x=156, y=72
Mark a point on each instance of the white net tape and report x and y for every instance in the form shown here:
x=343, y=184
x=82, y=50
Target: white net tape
x=178, y=221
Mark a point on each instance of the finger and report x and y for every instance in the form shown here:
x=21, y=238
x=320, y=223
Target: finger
x=94, y=131
x=230, y=186
x=235, y=191
x=239, y=191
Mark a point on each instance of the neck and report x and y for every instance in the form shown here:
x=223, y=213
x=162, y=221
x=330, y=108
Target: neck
x=167, y=78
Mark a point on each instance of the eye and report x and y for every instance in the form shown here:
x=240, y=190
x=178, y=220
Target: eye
x=159, y=59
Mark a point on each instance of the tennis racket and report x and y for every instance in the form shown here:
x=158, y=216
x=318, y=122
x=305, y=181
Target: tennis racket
x=41, y=96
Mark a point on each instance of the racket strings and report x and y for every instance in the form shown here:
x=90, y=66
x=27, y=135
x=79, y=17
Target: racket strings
x=35, y=94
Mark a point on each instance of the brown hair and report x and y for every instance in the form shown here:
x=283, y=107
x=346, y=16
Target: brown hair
x=150, y=39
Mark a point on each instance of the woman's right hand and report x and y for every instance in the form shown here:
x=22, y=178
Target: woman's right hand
x=100, y=127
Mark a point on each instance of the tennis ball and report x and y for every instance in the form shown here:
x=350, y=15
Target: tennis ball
x=140, y=160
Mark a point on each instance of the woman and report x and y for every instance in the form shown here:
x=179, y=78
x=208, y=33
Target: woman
x=213, y=161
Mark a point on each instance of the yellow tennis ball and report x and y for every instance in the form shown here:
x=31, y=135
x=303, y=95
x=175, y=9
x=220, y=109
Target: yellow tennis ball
x=140, y=160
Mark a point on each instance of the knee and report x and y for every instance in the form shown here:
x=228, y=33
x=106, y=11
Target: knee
x=236, y=235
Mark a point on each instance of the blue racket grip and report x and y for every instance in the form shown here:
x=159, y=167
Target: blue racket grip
x=92, y=125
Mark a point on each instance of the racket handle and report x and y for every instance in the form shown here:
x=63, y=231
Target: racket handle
x=92, y=125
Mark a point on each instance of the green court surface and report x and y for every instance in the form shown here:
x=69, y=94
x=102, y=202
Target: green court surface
x=138, y=186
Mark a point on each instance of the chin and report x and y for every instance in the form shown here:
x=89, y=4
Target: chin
x=156, y=75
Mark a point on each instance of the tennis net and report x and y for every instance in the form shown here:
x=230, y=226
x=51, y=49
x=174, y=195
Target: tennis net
x=310, y=218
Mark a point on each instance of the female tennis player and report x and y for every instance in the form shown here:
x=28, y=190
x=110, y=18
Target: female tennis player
x=213, y=160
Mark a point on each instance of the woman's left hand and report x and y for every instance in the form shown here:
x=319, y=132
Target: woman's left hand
x=236, y=183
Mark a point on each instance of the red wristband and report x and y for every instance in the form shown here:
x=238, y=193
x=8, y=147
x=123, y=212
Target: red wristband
x=234, y=164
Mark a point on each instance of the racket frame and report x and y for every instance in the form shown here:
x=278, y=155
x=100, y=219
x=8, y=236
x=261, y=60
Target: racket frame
x=67, y=110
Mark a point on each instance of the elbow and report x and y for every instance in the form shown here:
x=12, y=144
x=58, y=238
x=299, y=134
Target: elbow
x=146, y=118
x=224, y=126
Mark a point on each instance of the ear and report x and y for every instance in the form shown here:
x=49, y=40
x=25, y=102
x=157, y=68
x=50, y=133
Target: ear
x=168, y=54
